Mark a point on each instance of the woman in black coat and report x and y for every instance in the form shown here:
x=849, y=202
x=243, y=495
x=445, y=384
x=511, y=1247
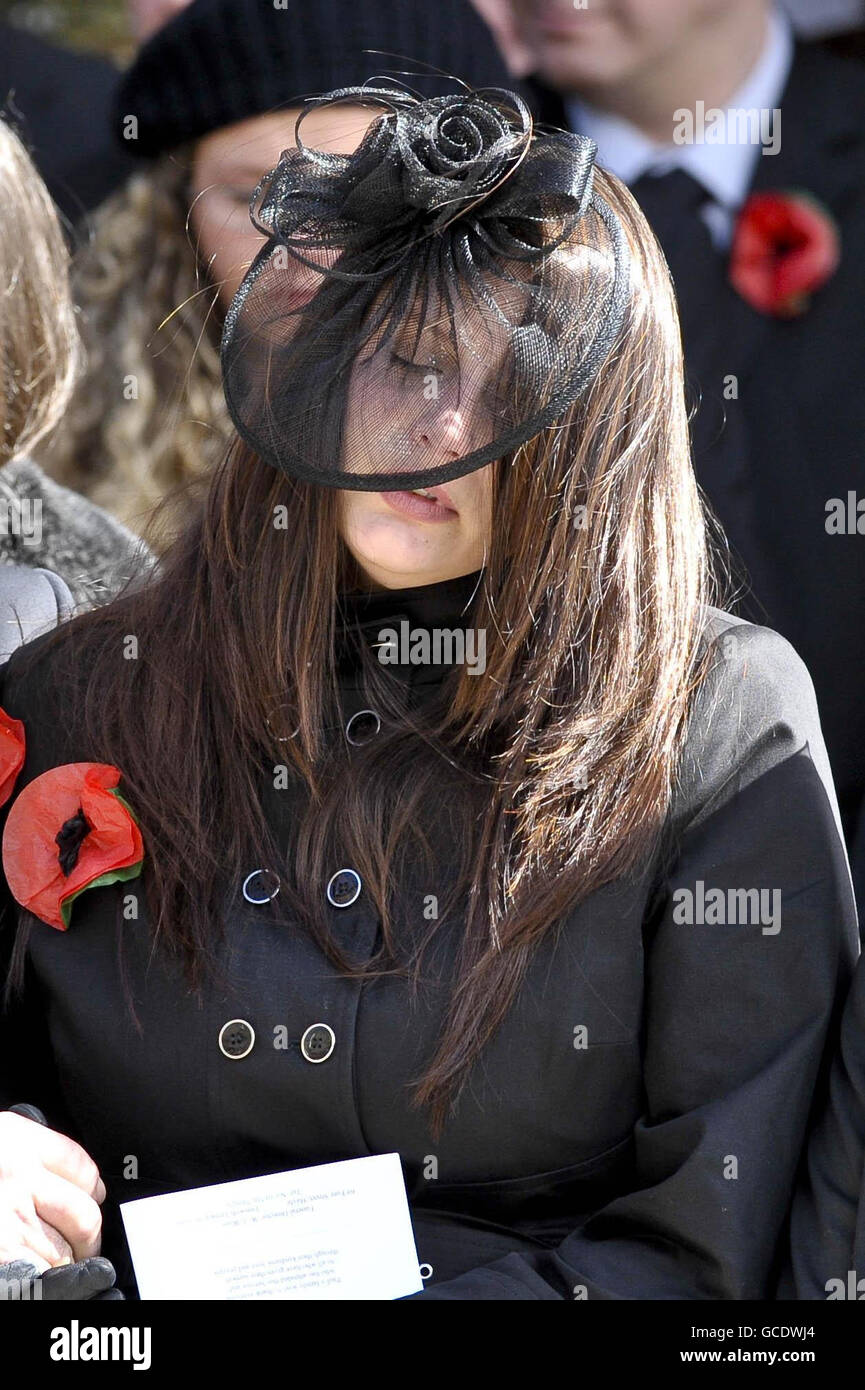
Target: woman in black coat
x=827, y=1225
x=424, y=803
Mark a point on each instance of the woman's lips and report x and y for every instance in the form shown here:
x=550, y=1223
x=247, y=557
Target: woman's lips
x=437, y=507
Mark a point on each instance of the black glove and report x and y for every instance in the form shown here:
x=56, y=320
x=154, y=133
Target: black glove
x=30, y=1112
x=86, y=1281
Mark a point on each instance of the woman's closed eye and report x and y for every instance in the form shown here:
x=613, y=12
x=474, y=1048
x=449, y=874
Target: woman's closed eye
x=410, y=366
x=492, y=396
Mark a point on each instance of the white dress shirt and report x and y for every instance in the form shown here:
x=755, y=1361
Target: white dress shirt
x=724, y=170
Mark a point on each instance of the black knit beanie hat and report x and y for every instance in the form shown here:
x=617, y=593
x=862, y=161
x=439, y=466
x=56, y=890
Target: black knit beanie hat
x=221, y=61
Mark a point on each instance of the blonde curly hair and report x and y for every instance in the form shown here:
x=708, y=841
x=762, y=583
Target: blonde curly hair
x=148, y=418
x=40, y=353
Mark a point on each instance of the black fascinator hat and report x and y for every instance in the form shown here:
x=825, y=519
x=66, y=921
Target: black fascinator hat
x=428, y=303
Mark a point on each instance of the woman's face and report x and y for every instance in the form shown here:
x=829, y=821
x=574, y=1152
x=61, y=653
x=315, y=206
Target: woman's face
x=228, y=164
x=401, y=540
x=433, y=397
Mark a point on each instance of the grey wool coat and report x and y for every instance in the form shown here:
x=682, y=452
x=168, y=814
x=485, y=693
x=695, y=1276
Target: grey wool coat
x=48, y=527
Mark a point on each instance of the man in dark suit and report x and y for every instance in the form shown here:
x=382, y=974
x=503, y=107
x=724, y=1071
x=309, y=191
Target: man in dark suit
x=780, y=410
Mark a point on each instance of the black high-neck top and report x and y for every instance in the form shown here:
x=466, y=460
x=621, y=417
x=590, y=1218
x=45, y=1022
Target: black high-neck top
x=371, y=619
x=445, y=604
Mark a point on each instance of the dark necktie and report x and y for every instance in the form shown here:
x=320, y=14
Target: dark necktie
x=672, y=203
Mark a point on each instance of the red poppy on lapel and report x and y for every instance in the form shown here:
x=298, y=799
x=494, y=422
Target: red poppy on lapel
x=785, y=246
x=12, y=748
x=67, y=831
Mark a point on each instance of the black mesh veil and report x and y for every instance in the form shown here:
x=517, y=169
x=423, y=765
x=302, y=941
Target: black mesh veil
x=428, y=303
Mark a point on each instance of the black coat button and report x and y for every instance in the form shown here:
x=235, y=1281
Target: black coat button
x=362, y=727
x=236, y=1039
x=276, y=721
x=318, y=1042
x=260, y=886
x=344, y=888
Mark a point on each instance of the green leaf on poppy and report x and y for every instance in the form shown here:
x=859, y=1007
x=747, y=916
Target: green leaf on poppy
x=125, y=804
x=112, y=876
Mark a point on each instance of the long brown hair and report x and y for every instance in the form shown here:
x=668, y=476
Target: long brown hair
x=555, y=770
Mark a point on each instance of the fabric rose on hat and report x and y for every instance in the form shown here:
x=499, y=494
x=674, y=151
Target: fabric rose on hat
x=455, y=147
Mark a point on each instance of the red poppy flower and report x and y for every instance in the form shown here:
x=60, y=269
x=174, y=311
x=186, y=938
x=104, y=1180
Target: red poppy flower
x=69, y=830
x=12, y=748
x=786, y=246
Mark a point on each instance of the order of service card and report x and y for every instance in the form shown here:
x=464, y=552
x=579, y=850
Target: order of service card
x=333, y=1231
